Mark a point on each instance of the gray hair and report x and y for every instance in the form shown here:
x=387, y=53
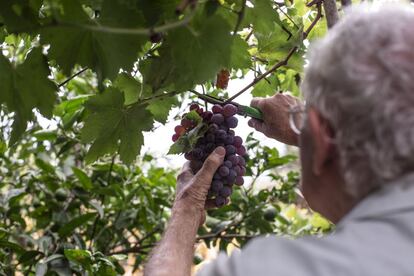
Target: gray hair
x=361, y=78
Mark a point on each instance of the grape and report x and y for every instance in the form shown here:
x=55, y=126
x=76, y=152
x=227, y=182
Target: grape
x=217, y=119
x=219, y=123
x=238, y=170
x=223, y=171
x=207, y=115
x=210, y=137
x=238, y=141
x=230, y=149
x=175, y=137
x=232, y=122
x=243, y=171
x=239, y=181
x=228, y=164
x=231, y=177
x=189, y=155
x=229, y=139
x=216, y=186
x=210, y=147
x=198, y=153
x=229, y=110
x=220, y=201
x=200, y=111
x=233, y=159
x=194, y=106
x=180, y=130
x=241, y=150
x=224, y=127
x=242, y=162
x=221, y=134
x=217, y=108
x=186, y=123
x=225, y=191
x=213, y=128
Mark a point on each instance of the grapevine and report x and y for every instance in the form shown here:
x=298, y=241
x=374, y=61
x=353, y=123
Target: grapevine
x=200, y=132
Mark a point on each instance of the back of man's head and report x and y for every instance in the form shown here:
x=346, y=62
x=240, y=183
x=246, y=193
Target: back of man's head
x=361, y=78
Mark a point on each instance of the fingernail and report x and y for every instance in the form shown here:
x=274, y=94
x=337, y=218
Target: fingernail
x=220, y=151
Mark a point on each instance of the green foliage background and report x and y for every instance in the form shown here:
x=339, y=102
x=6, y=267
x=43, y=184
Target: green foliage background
x=79, y=198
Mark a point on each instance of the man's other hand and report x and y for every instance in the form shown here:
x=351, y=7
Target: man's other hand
x=275, y=122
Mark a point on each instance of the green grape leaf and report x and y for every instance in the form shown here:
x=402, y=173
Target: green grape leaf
x=22, y=92
x=194, y=116
x=20, y=15
x=208, y=41
x=188, y=140
x=240, y=57
x=112, y=126
x=133, y=90
x=266, y=87
x=264, y=16
x=106, y=53
x=130, y=86
x=160, y=108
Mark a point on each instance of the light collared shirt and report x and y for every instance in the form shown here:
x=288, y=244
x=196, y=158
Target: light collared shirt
x=375, y=239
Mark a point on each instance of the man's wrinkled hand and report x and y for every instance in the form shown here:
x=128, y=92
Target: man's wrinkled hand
x=275, y=122
x=192, y=188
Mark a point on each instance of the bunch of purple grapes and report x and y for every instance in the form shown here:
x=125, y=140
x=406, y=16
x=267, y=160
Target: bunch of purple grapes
x=220, y=133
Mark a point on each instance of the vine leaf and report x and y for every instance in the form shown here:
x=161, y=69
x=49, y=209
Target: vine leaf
x=111, y=126
x=240, y=57
x=133, y=90
x=106, y=53
x=191, y=55
x=188, y=140
x=20, y=15
x=22, y=92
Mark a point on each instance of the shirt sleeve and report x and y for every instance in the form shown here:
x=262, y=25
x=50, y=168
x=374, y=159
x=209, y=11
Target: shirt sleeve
x=281, y=257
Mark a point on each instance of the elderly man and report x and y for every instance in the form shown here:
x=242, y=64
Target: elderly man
x=356, y=139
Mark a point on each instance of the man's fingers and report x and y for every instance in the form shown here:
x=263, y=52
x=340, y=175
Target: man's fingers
x=257, y=102
x=213, y=161
x=256, y=124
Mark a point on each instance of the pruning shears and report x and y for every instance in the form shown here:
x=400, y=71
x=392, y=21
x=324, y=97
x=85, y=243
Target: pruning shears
x=243, y=110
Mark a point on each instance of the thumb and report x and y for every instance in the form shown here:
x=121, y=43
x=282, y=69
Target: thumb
x=210, y=166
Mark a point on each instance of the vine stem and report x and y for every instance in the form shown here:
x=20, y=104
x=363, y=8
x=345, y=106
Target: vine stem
x=240, y=16
x=282, y=62
x=72, y=77
x=130, y=31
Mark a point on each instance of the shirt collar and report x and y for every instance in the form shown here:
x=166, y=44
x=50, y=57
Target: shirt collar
x=395, y=197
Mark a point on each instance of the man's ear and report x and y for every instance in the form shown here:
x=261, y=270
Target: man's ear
x=321, y=132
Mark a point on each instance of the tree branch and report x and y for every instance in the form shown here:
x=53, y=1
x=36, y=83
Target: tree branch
x=135, y=249
x=227, y=236
x=265, y=74
x=286, y=59
x=331, y=12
